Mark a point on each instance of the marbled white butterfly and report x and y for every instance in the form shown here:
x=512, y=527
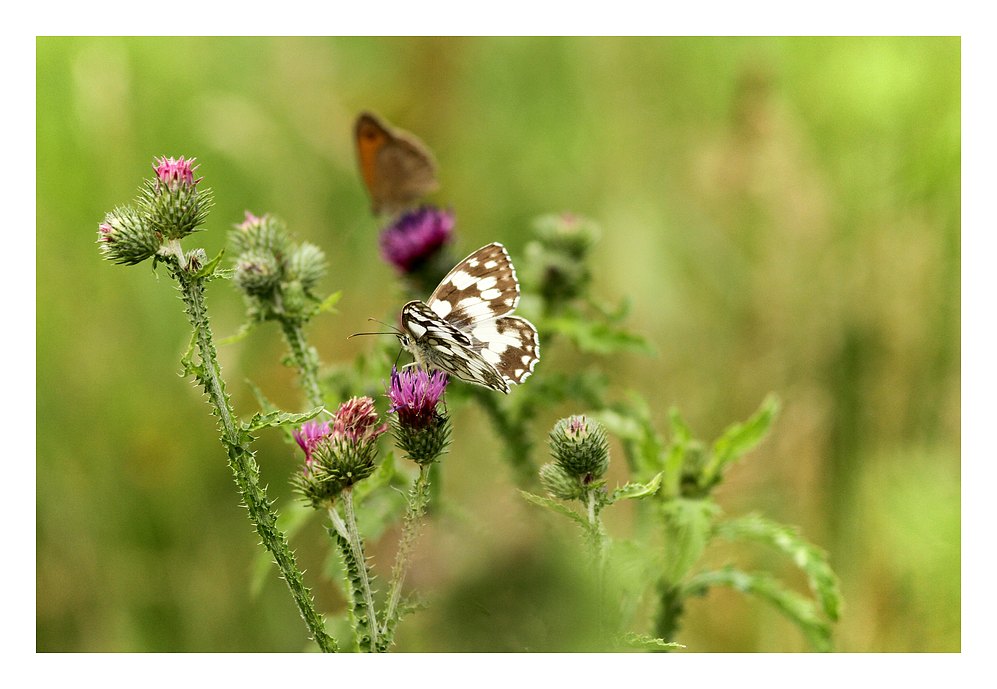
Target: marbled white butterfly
x=465, y=328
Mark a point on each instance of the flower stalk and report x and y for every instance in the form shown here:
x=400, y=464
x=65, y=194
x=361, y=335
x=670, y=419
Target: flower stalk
x=364, y=611
x=418, y=499
x=245, y=471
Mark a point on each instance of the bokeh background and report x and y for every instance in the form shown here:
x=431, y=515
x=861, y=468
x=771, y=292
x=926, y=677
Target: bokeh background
x=783, y=213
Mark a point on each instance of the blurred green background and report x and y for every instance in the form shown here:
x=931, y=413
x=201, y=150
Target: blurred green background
x=784, y=214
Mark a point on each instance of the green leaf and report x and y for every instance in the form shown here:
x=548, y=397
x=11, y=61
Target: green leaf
x=557, y=507
x=278, y=418
x=208, y=269
x=739, y=438
x=242, y=333
x=633, y=490
x=645, y=642
x=688, y=527
x=328, y=305
x=187, y=358
x=631, y=422
x=808, y=557
x=680, y=429
x=596, y=337
x=291, y=519
x=792, y=605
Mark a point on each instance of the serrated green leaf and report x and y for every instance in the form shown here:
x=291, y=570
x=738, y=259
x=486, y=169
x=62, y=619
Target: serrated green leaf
x=556, y=506
x=787, y=539
x=632, y=491
x=792, y=605
x=645, y=642
x=277, y=418
x=688, y=527
x=739, y=438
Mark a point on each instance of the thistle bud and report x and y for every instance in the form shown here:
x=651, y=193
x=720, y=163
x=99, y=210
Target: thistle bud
x=124, y=237
x=171, y=202
x=260, y=235
x=257, y=274
x=306, y=265
x=555, y=261
x=420, y=429
x=580, y=447
x=559, y=483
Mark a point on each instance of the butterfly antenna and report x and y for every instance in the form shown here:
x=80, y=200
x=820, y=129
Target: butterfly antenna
x=395, y=329
x=356, y=334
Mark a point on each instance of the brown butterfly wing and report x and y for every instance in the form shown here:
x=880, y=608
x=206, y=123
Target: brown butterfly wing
x=396, y=167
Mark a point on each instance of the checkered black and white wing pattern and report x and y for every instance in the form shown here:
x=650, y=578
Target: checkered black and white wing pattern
x=466, y=328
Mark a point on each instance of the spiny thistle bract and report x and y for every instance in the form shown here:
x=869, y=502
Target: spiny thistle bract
x=338, y=453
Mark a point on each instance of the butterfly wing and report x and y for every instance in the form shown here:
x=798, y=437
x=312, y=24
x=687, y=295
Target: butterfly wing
x=435, y=343
x=481, y=287
x=476, y=298
x=510, y=344
x=397, y=168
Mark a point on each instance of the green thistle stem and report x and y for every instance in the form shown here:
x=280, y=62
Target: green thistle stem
x=352, y=534
x=240, y=457
x=597, y=541
x=305, y=359
x=418, y=498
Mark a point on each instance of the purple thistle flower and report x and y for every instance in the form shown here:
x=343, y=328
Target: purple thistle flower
x=415, y=237
x=414, y=395
x=174, y=173
x=309, y=435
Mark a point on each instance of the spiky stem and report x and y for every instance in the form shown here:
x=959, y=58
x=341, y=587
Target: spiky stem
x=418, y=498
x=348, y=529
x=240, y=458
x=305, y=360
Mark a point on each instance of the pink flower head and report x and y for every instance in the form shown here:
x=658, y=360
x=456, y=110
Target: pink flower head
x=414, y=395
x=577, y=427
x=415, y=237
x=356, y=421
x=309, y=435
x=104, y=233
x=250, y=222
x=175, y=173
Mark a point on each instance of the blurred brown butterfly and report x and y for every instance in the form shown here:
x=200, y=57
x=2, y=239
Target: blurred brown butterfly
x=397, y=168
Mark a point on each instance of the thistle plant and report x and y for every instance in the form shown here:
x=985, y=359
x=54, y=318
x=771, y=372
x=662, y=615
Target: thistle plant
x=349, y=475
x=170, y=207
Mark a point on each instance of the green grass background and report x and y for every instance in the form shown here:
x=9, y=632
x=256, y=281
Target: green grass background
x=784, y=214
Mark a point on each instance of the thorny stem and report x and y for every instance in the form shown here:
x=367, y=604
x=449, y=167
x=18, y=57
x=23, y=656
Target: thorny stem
x=417, y=500
x=244, y=467
x=598, y=543
x=305, y=359
x=353, y=536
